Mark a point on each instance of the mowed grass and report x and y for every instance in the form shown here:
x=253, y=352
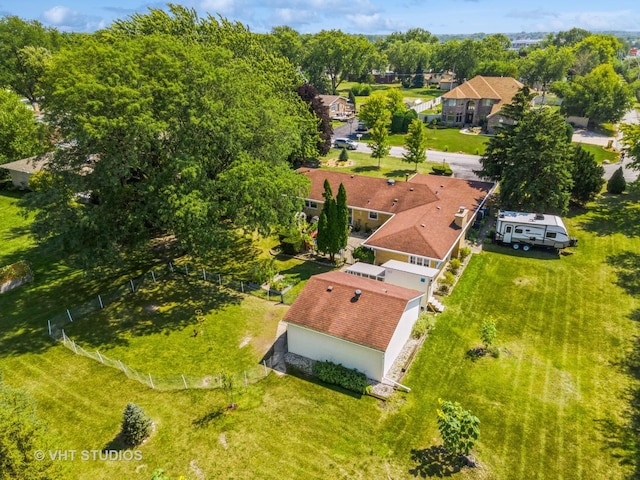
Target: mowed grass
x=444, y=140
x=600, y=154
x=551, y=406
x=390, y=167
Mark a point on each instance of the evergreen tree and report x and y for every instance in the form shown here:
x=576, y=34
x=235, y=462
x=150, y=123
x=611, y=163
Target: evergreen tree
x=328, y=237
x=352, y=99
x=587, y=176
x=344, y=155
x=418, y=79
x=136, y=425
x=617, y=184
x=342, y=217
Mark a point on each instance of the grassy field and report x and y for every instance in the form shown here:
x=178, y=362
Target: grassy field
x=553, y=405
x=390, y=167
x=601, y=154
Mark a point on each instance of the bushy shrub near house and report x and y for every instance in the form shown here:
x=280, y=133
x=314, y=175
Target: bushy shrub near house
x=363, y=254
x=454, y=265
x=348, y=378
x=617, y=184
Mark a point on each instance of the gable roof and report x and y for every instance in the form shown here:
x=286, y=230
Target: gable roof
x=371, y=320
x=28, y=165
x=331, y=99
x=497, y=88
x=423, y=208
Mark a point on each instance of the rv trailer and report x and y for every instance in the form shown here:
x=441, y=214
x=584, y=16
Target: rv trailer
x=520, y=229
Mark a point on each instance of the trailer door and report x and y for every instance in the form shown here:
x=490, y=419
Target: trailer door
x=507, y=234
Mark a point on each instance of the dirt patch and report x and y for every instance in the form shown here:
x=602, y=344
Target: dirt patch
x=523, y=281
x=334, y=162
x=245, y=341
x=223, y=440
x=197, y=471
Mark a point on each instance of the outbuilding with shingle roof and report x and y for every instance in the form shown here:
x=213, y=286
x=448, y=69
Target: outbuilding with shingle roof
x=354, y=321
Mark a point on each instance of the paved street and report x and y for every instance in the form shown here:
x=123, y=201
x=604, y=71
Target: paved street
x=463, y=165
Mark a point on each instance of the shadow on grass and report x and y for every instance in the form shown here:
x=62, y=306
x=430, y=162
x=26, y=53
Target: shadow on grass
x=294, y=372
x=365, y=168
x=434, y=461
x=161, y=307
x=614, y=214
x=400, y=173
x=208, y=418
x=538, y=253
x=117, y=443
x=627, y=267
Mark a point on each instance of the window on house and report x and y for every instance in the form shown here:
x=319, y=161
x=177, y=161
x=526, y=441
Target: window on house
x=373, y=215
x=487, y=102
x=451, y=102
x=459, y=117
x=310, y=204
x=419, y=261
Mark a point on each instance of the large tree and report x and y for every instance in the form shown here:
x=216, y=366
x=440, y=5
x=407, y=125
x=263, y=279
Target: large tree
x=532, y=161
x=602, y=95
x=416, y=143
x=24, y=441
x=342, y=217
x=25, y=47
x=379, y=140
x=170, y=137
x=328, y=237
x=22, y=136
x=586, y=175
x=309, y=94
x=544, y=66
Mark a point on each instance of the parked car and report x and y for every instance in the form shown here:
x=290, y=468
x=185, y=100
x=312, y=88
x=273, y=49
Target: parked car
x=345, y=143
x=362, y=127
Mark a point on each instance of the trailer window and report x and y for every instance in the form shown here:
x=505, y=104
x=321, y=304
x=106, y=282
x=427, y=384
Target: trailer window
x=518, y=230
x=551, y=234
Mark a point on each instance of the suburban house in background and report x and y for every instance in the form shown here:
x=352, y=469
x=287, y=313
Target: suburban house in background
x=441, y=80
x=339, y=107
x=357, y=322
x=421, y=221
x=478, y=102
x=21, y=170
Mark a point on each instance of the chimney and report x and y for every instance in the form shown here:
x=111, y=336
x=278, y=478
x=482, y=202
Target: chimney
x=460, y=218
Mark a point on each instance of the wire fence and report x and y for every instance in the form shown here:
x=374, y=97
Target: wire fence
x=56, y=325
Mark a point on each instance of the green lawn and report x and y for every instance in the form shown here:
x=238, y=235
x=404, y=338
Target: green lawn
x=553, y=405
x=390, y=167
x=601, y=154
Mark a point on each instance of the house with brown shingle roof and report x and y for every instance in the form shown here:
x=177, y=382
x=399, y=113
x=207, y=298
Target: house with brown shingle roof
x=357, y=322
x=479, y=101
x=339, y=106
x=422, y=221
x=22, y=170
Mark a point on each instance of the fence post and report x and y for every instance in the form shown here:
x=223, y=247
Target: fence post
x=241, y=286
x=100, y=301
x=264, y=364
x=151, y=382
x=184, y=381
x=153, y=276
x=69, y=315
x=133, y=288
x=282, y=298
x=204, y=274
x=100, y=356
x=49, y=325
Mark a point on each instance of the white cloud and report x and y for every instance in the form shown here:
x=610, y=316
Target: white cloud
x=65, y=19
x=220, y=6
x=372, y=23
x=595, y=21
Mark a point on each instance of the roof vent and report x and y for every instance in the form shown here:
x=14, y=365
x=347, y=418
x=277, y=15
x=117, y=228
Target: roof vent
x=441, y=186
x=422, y=225
x=391, y=181
x=351, y=176
x=411, y=189
x=539, y=216
x=438, y=207
x=461, y=209
x=330, y=288
x=358, y=292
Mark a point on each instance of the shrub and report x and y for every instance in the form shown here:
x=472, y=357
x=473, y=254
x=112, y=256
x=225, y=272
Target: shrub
x=442, y=170
x=454, y=265
x=423, y=325
x=348, y=378
x=136, y=425
x=443, y=289
x=361, y=90
x=488, y=332
x=449, y=279
x=617, y=184
x=363, y=254
x=263, y=270
x=344, y=156
x=464, y=253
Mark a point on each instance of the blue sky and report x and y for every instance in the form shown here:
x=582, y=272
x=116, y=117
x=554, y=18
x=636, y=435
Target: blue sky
x=354, y=16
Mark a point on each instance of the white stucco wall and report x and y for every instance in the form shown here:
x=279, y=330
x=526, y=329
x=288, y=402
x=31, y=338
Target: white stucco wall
x=20, y=179
x=402, y=333
x=411, y=280
x=318, y=346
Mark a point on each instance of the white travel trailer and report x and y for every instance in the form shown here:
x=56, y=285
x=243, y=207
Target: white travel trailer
x=520, y=229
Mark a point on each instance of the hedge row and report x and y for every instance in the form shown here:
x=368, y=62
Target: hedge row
x=348, y=378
